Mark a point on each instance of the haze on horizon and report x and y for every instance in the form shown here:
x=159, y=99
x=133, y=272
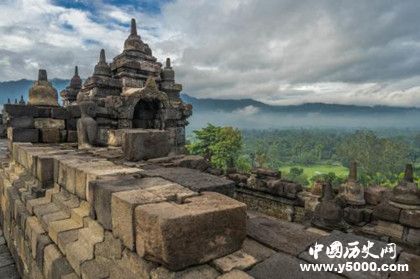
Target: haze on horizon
x=278, y=52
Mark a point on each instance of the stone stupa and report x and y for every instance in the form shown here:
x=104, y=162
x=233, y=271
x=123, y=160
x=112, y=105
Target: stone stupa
x=42, y=93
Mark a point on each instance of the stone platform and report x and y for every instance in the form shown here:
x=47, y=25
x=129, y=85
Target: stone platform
x=89, y=214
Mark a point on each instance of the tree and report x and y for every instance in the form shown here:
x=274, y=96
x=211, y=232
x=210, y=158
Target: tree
x=220, y=145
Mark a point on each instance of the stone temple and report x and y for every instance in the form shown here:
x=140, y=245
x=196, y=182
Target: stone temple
x=101, y=187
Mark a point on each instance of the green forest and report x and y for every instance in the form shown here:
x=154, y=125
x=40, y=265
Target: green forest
x=308, y=155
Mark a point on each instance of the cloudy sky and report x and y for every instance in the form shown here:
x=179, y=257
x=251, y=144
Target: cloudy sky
x=275, y=51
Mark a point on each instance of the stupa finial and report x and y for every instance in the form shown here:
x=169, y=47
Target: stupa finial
x=133, y=27
x=102, y=57
x=76, y=71
x=408, y=174
x=168, y=62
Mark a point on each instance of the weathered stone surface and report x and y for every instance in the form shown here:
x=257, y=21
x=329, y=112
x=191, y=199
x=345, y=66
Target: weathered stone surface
x=410, y=218
x=50, y=135
x=142, y=144
x=132, y=266
x=393, y=230
x=83, y=249
x=284, y=266
x=192, y=162
x=110, y=248
x=91, y=169
x=172, y=233
x=22, y=135
x=345, y=239
x=115, y=137
x=194, y=179
x=124, y=203
x=55, y=264
x=235, y=274
x=202, y=272
x=49, y=123
x=283, y=236
x=374, y=195
x=22, y=122
x=413, y=237
x=102, y=190
x=97, y=268
x=71, y=136
x=59, y=113
x=257, y=250
x=59, y=226
x=237, y=260
x=413, y=262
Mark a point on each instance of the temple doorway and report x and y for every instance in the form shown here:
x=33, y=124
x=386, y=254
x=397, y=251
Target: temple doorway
x=147, y=114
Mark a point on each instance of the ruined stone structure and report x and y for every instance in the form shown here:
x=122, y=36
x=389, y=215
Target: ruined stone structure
x=134, y=92
x=100, y=188
x=69, y=95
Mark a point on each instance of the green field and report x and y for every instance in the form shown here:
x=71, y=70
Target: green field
x=312, y=170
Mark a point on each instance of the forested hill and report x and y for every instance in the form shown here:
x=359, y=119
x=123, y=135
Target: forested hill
x=14, y=89
x=229, y=105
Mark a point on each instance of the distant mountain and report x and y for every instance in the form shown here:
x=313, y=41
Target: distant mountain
x=14, y=89
x=229, y=105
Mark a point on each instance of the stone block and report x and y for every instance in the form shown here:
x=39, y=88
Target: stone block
x=49, y=123
x=410, y=218
x=287, y=237
x=110, y=248
x=389, y=229
x=387, y=212
x=59, y=226
x=19, y=110
x=42, y=242
x=97, y=268
x=194, y=180
x=201, y=271
x=43, y=112
x=22, y=135
x=235, y=274
x=192, y=162
x=71, y=136
x=66, y=237
x=284, y=266
x=95, y=170
x=257, y=250
x=71, y=124
x=133, y=267
x=83, y=249
x=55, y=265
x=237, y=260
x=201, y=229
x=33, y=232
x=50, y=135
x=123, y=205
x=115, y=137
x=102, y=190
x=413, y=237
x=60, y=113
x=74, y=111
x=139, y=144
x=22, y=122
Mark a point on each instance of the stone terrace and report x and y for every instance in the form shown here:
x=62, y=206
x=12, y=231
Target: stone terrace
x=104, y=217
